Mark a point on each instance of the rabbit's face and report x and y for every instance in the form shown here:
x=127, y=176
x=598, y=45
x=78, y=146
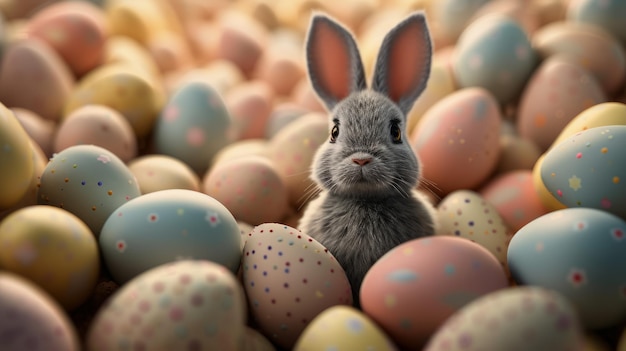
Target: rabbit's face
x=367, y=154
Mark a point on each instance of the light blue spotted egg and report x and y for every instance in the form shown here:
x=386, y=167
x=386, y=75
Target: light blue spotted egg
x=607, y=14
x=587, y=170
x=580, y=253
x=494, y=53
x=165, y=226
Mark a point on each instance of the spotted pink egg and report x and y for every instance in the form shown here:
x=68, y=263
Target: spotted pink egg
x=289, y=279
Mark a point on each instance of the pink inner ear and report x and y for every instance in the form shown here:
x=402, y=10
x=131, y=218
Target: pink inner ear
x=332, y=62
x=406, y=61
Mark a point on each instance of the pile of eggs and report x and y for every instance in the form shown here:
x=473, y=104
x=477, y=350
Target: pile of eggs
x=155, y=161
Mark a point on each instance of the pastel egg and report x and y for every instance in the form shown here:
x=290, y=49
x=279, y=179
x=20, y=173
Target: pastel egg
x=417, y=285
x=40, y=130
x=514, y=197
x=75, y=30
x=289, y=279
x=88, y=181
x=242, y=148
x=222, y=75
x=586, y=170
x=165, y=226
x=557, y=92
x=170, y=52
x=467, y=214
x=52, y=248
x=250, y=187
x=516, y=153
x=281, y=69
x=255, y=341
x=282, y=114
x=529, y=318
x=575, y=251
x=250, y=105
x=129, y=91
x=604, y=14
x=589, y=46
x=463, y=129
x=34, y=77
x=193, y=126
x=292, y=150
x=494, y=53
x=185, y=305
x=453, y=16
x=161, y=172
x=599, y=115
x=126, y=51
x=548, y=199
x=139, y=20
x=97, y=125
x=343, y=328
x=32, y=320
x=16, y=161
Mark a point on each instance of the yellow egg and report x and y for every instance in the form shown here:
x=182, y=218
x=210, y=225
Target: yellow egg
x=54, y=249
x=16, y=161
x=549, y=201
x=343, y=328
x=604, y=114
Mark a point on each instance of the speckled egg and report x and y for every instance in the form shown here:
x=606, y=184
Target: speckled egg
x=292, y=150
x=587, y=170
x=521, y=318
x=31, y=320
x=452, y=16
x=242, y=148
x=513, y=196
x=16, y=161
x=494, y=53
x=283, y=114
x=417, y=285
x=97, y=125
x=52, y=248
x=604, y=114
x=162, y=172
x=250, y=105
x=467, y=214
x=289, y=279
x=89, y=181
x=193, y=126
x=462, y=129
x=40, y=130
x=557, y=92
x=607, y=14
x=250, y=187
x=578, y=252
x=255, y=341
x=343, y=328
x=186, y=305
x=165, y=226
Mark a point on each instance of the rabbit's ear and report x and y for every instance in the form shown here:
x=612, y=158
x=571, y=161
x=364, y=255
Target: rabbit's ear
x=333, y=61
x=403, y=63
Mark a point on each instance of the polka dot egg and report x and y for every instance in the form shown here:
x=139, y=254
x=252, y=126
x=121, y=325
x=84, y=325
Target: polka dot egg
x=289, y=279
x=186, y=305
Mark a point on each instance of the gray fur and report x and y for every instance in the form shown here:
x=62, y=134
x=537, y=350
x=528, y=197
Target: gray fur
x=363, y=212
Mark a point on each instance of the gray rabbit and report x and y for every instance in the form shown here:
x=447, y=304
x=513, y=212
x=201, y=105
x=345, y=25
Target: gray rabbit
x=367, y=171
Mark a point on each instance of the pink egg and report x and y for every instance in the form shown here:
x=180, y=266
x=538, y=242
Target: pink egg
x=241, y=39
x=514, y=197
x=250, y=105
x=41, y=130
x=416, y=286
x=557, y=91
x=459, y=135
x=516, y=153
x=281, y=70
x=170, y=52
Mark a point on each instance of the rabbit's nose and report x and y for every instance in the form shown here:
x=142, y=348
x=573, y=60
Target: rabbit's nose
x=362, y=161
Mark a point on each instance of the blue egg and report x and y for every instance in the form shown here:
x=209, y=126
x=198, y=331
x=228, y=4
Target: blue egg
x=166, y=226
x=494, y=53
x=606, y=14
x=580, y=253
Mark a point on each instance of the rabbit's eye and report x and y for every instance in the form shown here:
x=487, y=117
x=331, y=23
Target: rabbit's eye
x=334, y=133
x=396, y=133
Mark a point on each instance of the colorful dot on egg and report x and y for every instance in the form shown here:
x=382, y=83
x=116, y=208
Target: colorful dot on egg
x=618, y=234
x=615, y=180
x=110, y=192
x=577, y=277
x=579, y=155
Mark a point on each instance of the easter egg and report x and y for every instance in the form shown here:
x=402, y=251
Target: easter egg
x=521, y=318
x=165, y=226
x=250, y=105
x=242, y=148
x=548, y=200
x=52, y=248
x=343, y=328
x=193, y=126
x=281, y=69
x=283, y=114
x=494, y=53
x=599, y=115
x=289, y=279
x=16, y=161
x=292, y=150
x=587, y=169
x=88, y=181
x=31, y=319
x=161, y=172
x=125, y=51
x=555, y=94
x=34, y=77
x=516, y=153
x=463, y=129
x=579, y=253
x=185, y=305
x=587, y=45
x=97, y=125
x=417, y=285
x=40, y=130
x=467, y=214
x=514, y=197
x=607, y=14
x=255, y=341
x=452, y=16
x=250, y=187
